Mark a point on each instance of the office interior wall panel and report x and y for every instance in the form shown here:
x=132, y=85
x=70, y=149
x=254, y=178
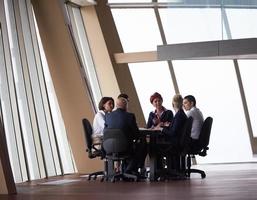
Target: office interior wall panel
x=3, y=188
x=72, y=95
x=103, y=65
x=122, y=72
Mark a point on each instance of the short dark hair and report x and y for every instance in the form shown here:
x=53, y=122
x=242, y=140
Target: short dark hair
x=103, y=101
x=124, y=95
x=191, y=99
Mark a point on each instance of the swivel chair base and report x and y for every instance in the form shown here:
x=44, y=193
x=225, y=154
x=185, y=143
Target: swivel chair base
x=95, y=174
x=189, y=171
x=123, y=176
x=167, y=174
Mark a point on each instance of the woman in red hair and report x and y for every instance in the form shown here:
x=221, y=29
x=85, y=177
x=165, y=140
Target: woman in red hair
x=160, y=116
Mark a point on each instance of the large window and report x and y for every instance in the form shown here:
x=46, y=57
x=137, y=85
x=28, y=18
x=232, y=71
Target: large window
x=84, y=53
x=215, y=84
x=157, y=80
x=191, y=24
x=27, y=100
x=248, y=71
x=141, y=23
x=247, y=27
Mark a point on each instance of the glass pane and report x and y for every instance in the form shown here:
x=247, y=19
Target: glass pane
x=33, y=162
x=7, y=117
x=128, y=1
x=84, y=51
x=191, y=24
x=24, y=100
x=149, y=78
x=142, y=28
x=33, y=70
x=212, y=3
x=240, y=3
x=215, y=87
x=242, y=23
x=248, y=72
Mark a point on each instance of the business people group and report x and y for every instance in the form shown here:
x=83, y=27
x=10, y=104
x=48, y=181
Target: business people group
x=160, y=118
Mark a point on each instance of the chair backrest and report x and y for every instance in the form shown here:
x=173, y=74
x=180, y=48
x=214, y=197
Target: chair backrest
x=88, y=133
x=115, y=141
x=185, y=138
x=205, y=133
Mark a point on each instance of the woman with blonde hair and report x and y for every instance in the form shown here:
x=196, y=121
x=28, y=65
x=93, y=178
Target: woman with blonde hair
x=173, y=131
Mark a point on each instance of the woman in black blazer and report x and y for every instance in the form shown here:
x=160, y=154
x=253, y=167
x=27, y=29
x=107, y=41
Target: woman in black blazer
x=160, y=116
x=173, y=131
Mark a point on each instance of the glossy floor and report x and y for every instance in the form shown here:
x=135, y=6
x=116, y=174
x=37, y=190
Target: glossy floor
x=230, y=181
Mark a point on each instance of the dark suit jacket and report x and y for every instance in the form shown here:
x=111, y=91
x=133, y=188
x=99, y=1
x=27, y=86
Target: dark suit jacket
x=123, y=120
x=166, y=116
x=173, y=131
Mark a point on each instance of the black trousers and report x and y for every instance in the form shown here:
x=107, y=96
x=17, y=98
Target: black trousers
x=138, y=156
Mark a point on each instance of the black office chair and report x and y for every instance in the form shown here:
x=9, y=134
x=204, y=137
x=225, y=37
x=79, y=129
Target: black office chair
x=175, y=155
x=199, y=147
x=116, y=146
x=92, y=151
x=184, y=144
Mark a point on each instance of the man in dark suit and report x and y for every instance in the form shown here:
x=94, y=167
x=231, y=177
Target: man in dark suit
x=126, y=121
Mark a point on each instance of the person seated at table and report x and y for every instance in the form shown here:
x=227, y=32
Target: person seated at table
x=189, y=104
x=160, y=116
x=126, y=121
x=124, y=95
x=105, y=105
x=172, y=133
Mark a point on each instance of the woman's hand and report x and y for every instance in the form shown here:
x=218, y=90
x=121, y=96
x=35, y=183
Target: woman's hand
x=156, y=121
x=166, y=124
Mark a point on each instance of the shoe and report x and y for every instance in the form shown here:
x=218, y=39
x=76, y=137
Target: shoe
x=143, y=173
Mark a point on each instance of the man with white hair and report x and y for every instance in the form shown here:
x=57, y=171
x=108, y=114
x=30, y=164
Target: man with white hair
x=121, y=119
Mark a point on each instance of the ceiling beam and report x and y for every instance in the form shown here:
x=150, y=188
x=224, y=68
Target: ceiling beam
x=135, y=57
x=222, y=49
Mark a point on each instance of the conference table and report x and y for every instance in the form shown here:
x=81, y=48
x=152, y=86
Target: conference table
x=153, y=138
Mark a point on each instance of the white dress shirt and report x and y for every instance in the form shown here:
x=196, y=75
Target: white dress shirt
x=98, y=124
x=197, y=116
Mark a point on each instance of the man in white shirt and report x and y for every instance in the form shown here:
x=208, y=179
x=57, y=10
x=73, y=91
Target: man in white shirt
x=189, y=104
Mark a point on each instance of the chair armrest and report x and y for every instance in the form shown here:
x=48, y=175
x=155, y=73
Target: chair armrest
x=203, y=152
x=90, y=153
